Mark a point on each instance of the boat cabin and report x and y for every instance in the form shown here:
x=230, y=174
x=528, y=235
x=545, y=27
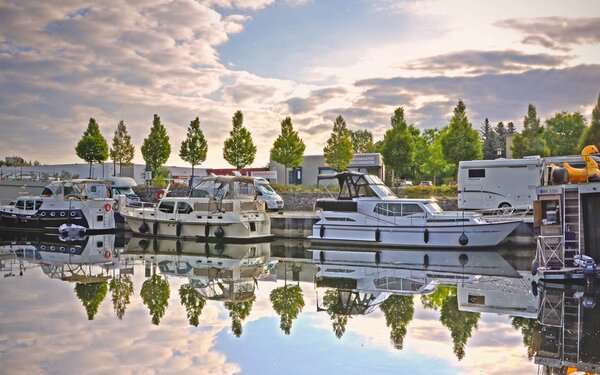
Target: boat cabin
x=80, y=189
x=224, y=187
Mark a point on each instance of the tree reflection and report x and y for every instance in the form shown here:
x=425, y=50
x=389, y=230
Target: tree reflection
x=460, y=323
x=238, y=311
x=288, y=303
x=529, y=328
x=332, y=301
x=155, y=294
x=398, y=311
x=121, y=288
x=91, y=295
x=193, y=302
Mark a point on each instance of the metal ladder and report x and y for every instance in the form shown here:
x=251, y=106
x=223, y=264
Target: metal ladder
x=571, y=224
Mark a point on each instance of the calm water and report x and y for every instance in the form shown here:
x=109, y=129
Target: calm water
x=109, y=304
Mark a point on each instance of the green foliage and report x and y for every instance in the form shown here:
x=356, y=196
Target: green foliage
x=121, y=288
x=288, y=303
x=436, y=300
x=489, y=139
x=238, y=149
x=398, y=311
x=528, y=328
x=92, y=146
x=510, y=128
x=339, y=152
x=501, y=133
x=459, y=140
x=194, y=147
x=156, y=148
x=238, y=311
x=288, y=148
x=155, y=295
x=362, y=141
x=303, y=188
x=91, y=295
x=591, y=134
x=441, y=191
x=399, y=146
x=122, y=151
x=193, y=302
x=161, y=174
x=433, y=162
x=531, y=141
x=332, y=302
x=563, y=132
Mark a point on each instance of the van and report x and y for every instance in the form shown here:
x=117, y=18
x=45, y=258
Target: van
x=265, y=193
x=122, y=186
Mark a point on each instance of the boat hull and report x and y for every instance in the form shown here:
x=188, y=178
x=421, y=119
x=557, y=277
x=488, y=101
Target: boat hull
x=477, y=236
x=227, y=230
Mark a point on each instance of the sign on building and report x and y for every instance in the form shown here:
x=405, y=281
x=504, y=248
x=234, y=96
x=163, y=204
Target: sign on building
x=269, y=175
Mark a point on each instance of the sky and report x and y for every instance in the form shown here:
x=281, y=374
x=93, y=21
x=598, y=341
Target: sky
x=65, y=61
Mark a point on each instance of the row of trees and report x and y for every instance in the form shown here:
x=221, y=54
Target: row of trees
x=407, y=151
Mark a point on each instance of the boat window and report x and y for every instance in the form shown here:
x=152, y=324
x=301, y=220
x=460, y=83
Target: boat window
x=29, y=205
x=127, y=191
x=433, y=207
x=411, y=209
x=244, y=189
x=476, y=173
x=210, y=189
x=47, y=192
x=38, y=204
x=266, y=190
x=381, y=209
x=20, y=204
x=183, y=208
x=166, y=207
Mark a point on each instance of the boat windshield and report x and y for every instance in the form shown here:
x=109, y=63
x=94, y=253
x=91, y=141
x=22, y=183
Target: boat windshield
x=379, y=187
x=433, y=207
x=127, y=191
x=210, y=189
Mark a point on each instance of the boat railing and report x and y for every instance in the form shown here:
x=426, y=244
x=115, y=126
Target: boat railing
x=551, y=252
x=498, y=215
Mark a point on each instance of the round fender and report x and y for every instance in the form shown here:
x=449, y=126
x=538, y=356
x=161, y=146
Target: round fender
x=463, y=239
x=219, y=232
x=143, y=244
x=143, y=228
x=155, y=228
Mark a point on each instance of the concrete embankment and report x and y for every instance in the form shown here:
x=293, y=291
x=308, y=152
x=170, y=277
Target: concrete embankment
x=10, y=190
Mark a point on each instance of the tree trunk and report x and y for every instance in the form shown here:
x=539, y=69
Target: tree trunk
x=285, y=176
x=192, y=177
x=90, y=170
x=115, y=168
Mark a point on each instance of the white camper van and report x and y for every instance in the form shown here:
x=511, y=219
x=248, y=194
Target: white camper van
x=122, y=186
x=500, y=183
x=265, y=193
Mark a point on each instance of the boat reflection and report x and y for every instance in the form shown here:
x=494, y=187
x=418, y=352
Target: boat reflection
x=224, y=272
x=460, y=284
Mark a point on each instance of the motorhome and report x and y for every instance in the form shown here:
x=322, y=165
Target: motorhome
x=500, y=183
x=265, y=193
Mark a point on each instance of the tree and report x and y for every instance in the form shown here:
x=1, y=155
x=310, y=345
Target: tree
x=459, y=140
x=528, y=328
x=122, y=151
x=510, y=128
x=193, y=302
x=288, y=303
x=194, y=147
x=121, y=288
x=398, y=311
x=156, y=148
x=238, y=311
x=489, y=141
x=92, y=295
x=434, y=163
x=501, y=133
x=338, y=152
x=288, y=148
x=591, y=135
x=155, y=294
x=332, y=302
x=531, y=140
x=563, y=132
x=239, y=150
x=92, y=146
x=362, y=141
x=399, y=146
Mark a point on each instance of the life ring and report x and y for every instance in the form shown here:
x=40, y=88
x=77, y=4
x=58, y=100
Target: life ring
x=107, y=254
x=160, y=194
x=107, y=207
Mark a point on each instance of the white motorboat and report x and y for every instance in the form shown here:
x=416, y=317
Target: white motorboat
x=74, y=202
x=367, y=211
x=218, y=208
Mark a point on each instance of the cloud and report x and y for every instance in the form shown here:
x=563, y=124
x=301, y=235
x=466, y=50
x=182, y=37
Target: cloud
x=485, y=62
x=559, y=33
x=315, y=99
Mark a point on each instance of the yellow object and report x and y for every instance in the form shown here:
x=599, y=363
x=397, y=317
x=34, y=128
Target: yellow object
x=581, y=175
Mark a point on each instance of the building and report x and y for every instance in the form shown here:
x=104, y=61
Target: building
x=313, y=165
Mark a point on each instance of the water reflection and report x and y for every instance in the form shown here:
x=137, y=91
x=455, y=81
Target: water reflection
x=559, y=325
